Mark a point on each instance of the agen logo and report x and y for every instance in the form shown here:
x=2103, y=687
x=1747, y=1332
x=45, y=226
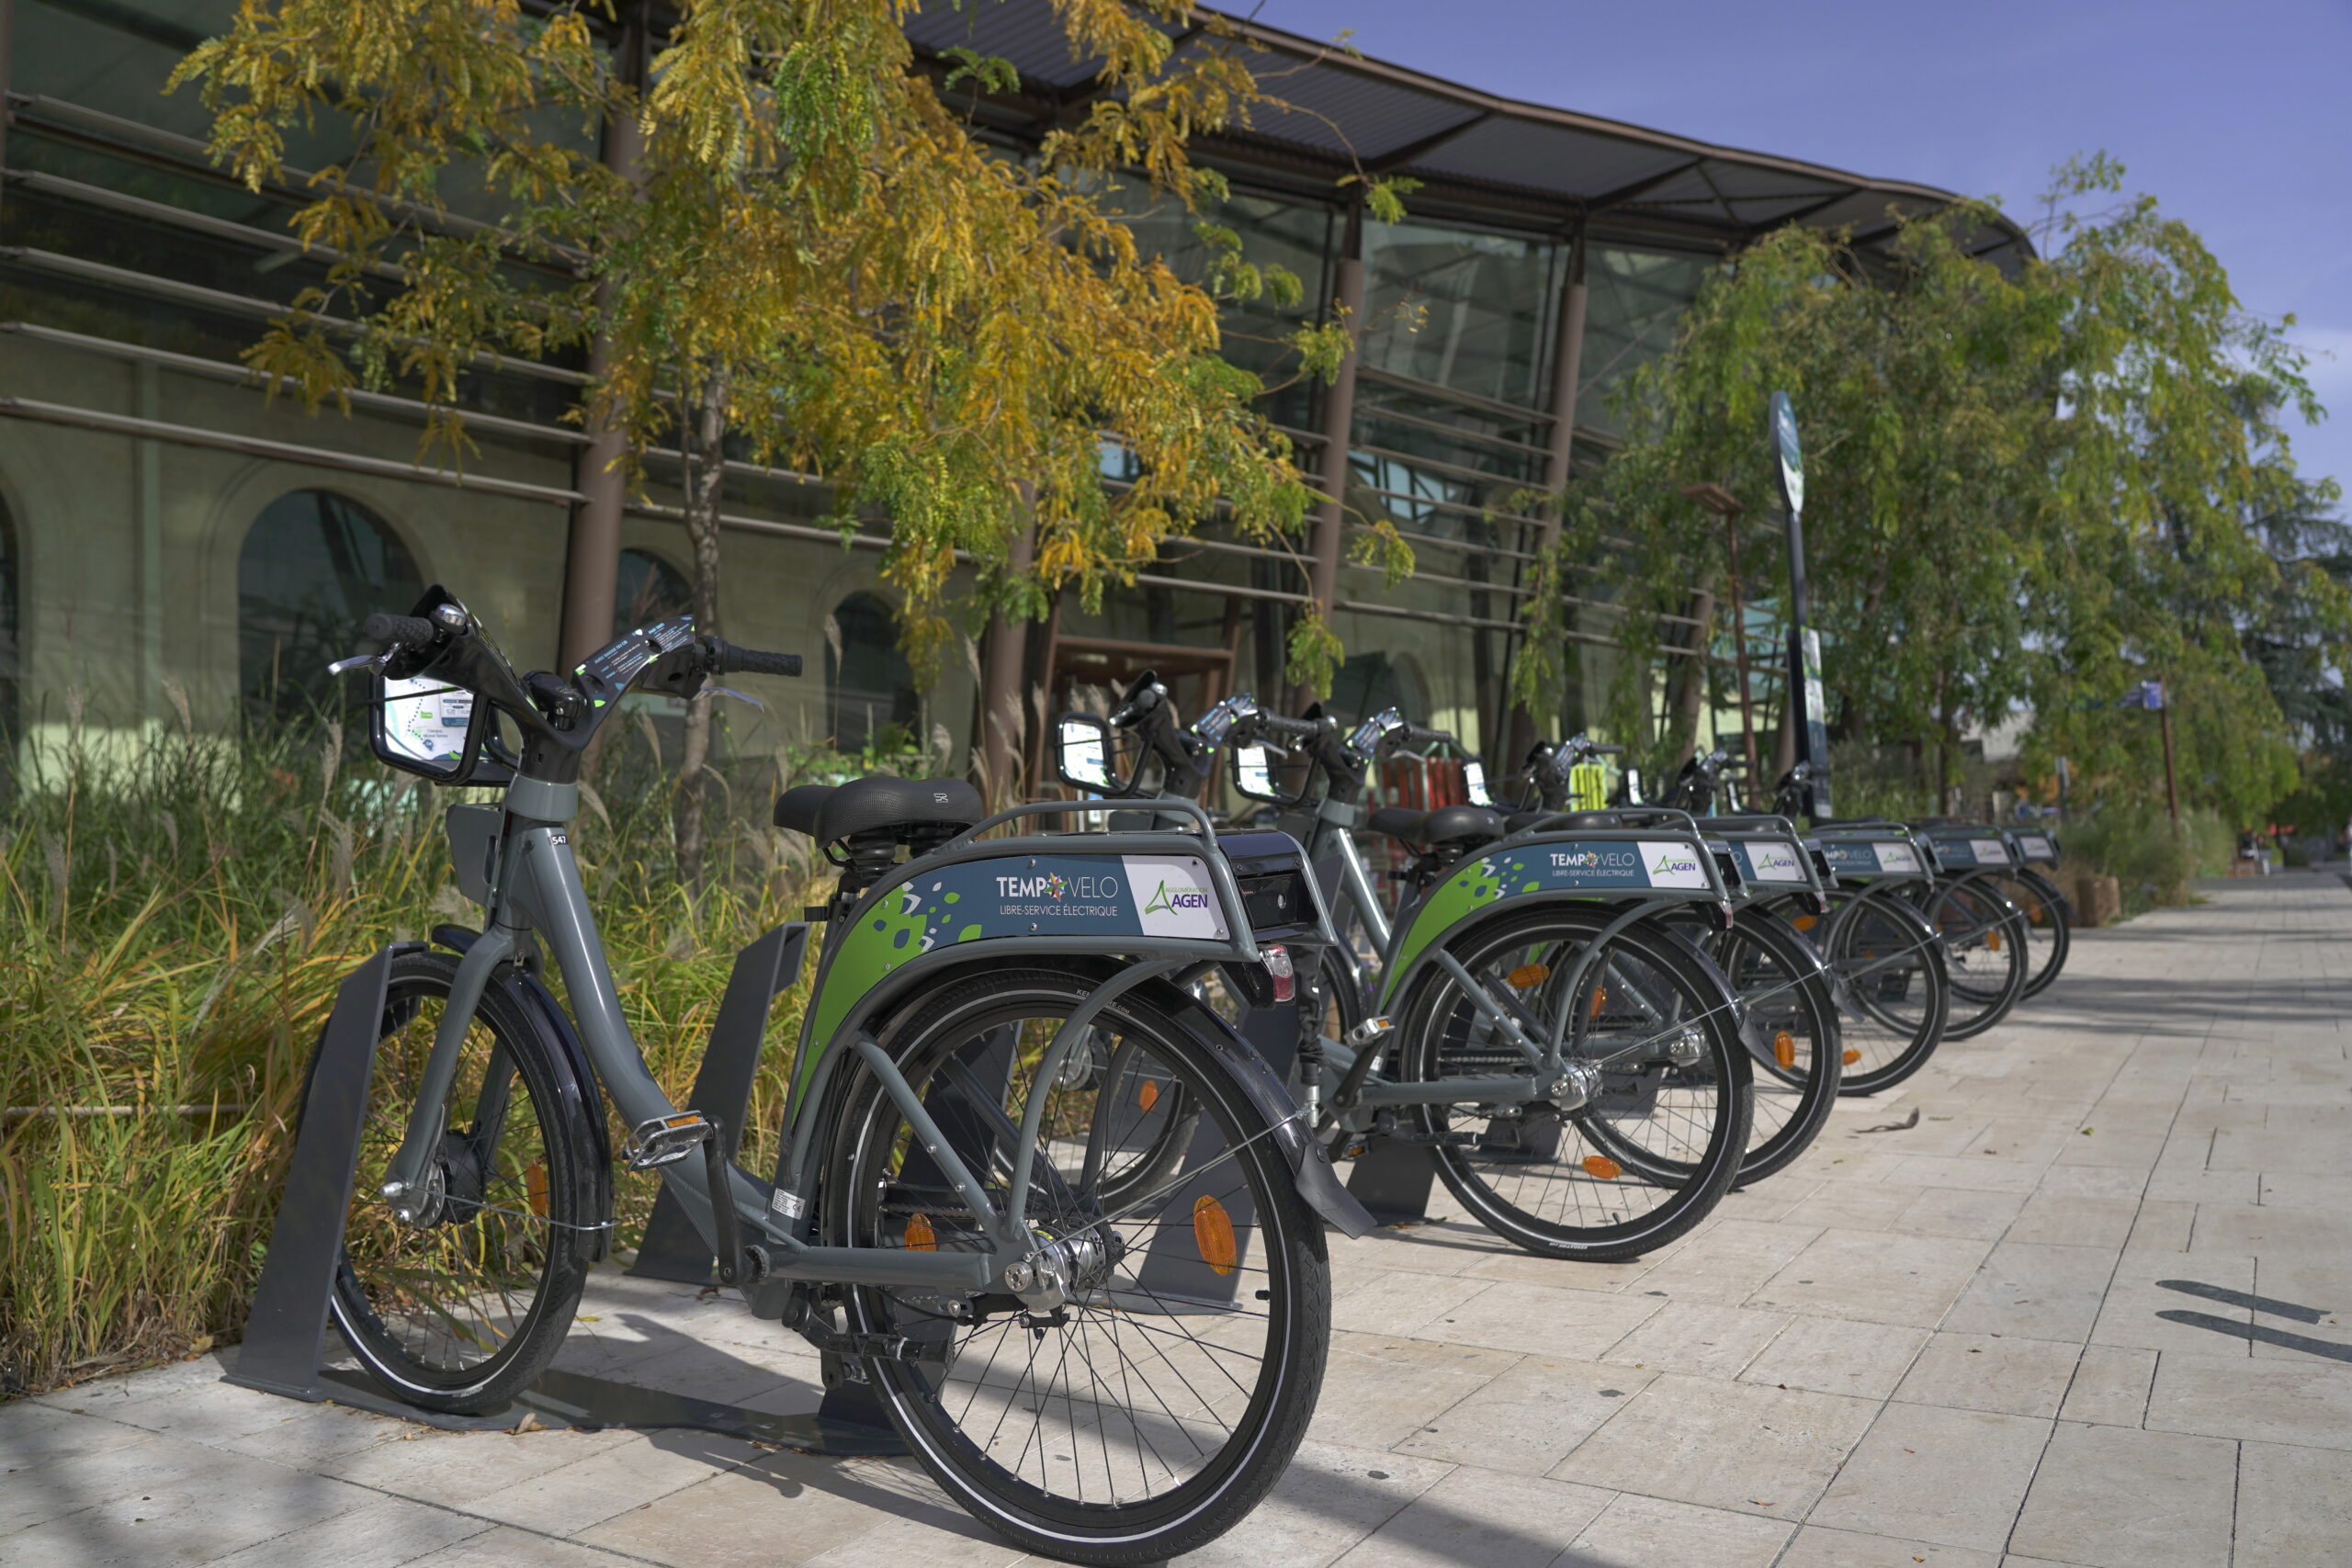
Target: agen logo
x=1168, y=900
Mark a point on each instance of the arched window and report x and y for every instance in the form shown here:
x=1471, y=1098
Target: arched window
x=869, y=686
x=650, y=590
x=314, y=565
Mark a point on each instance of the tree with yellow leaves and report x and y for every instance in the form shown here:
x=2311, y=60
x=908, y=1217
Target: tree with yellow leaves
x=814, y=254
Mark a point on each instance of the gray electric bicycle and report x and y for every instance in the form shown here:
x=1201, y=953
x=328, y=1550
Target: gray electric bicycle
x=1572, y=1063
x=1102, y=1340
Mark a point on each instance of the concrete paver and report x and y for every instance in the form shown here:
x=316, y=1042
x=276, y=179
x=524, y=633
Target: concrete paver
x=2095, y=1308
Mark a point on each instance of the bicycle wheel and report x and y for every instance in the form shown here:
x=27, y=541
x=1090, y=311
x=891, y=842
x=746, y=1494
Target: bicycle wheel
x=460, y=1307
x=1984, y=937
x=2049, y=932
x=1652, y=1152
x=1790, y=1030
x=1153, y=1408
x=1897, y=988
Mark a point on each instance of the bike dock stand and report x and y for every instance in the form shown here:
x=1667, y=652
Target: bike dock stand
x=1392, y=1180
x=850, y=1421
x=284, y=1351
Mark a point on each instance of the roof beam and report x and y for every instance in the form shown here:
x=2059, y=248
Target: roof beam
x=1413, y=151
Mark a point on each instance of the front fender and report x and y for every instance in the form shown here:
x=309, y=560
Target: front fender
x=1310, y=1166
x=580, y=1104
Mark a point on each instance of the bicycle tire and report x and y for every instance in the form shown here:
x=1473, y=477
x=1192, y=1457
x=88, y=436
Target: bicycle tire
x=1984, y=941
x=2044, y=907
x=1689, y=1167
x=1789, y=1008
x=1279, y=1255
x=375, y=1300
x=1895, y=978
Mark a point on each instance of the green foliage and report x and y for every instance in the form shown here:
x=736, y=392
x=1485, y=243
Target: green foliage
x=1314, y=651
x=2152, y=866
x=2028, y=488
x=178, y=918
x=946, y=333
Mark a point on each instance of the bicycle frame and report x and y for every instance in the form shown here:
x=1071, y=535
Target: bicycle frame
x=537, y=890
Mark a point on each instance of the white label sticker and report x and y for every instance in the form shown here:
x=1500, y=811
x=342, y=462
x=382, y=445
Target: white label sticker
x=787, y=1203
x=1673, y=865
x=1473, y=783
x=1175, y=896
x=2039, y=847
x=1989, y=851
x=1896, y=857
x=1775, y=863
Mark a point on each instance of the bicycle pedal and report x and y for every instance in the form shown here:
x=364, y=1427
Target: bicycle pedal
x=666, y=1139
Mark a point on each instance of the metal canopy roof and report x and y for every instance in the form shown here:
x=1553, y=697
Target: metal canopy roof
x=1474, y=153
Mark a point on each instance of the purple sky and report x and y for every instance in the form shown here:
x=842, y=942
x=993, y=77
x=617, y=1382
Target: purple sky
x=2237, y=117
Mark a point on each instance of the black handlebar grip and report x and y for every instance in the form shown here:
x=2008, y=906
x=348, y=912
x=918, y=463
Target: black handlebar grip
x=1290, y=728
x=1414, y=735
x=1599, y=750
x=730, y=660
x=380, y=627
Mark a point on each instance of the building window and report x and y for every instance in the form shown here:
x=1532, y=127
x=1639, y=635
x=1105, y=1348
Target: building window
x=314, y=565
x=650, y=590
x=869, y=686
x=1368, y=682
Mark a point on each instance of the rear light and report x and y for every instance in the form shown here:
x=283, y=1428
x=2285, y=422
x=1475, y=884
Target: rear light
x=1285, y=978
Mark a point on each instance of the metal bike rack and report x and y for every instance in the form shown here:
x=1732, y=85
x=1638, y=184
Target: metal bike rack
x=285, y=1342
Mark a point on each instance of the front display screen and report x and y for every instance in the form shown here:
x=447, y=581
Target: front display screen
x=425, y=721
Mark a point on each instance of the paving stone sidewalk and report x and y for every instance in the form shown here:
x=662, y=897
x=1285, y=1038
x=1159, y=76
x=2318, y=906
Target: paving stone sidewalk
x=2094, y=1308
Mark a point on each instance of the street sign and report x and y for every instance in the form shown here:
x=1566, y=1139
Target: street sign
x=1784, y=442
x=1805, y=644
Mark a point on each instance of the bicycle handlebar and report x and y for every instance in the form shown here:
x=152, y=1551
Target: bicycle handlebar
x=1275, y=725
x=409, y=629
x=726, y=659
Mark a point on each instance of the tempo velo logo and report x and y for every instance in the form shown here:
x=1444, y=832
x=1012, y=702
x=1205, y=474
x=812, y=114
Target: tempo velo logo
x=1050, y=886
x=1594, y=860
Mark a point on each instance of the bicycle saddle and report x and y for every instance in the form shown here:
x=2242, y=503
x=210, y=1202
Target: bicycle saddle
x=830, y=813
x=797, y=808
x=1446, y=825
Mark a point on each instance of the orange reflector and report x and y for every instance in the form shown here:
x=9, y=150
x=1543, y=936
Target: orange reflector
x=1213, y=1234
x=1785, y=1048
x=920, y=1237
x=535, y=1182
x=1602, y=1167
x=1146, y=1096
x=1528, y=975
x=1852, y=1057
x=1993, y=941
x=1599, y=1000
x=1805, y=922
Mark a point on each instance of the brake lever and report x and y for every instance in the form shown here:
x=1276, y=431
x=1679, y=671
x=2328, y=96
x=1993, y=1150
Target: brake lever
x=357, y=661
x=739, y=696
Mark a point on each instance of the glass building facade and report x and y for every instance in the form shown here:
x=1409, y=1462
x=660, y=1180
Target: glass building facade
x=167, y=533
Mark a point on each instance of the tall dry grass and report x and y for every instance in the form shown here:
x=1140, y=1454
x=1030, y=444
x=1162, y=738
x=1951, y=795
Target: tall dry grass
x=175, y=913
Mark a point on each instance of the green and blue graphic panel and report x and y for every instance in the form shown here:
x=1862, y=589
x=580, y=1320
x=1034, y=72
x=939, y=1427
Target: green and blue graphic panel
x=1554, y=865
x=1966, y=851
x=1871, y=857
x=1109, y=896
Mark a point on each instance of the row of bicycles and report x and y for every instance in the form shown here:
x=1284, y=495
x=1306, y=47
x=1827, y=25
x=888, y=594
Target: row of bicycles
x=1076, y=1079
